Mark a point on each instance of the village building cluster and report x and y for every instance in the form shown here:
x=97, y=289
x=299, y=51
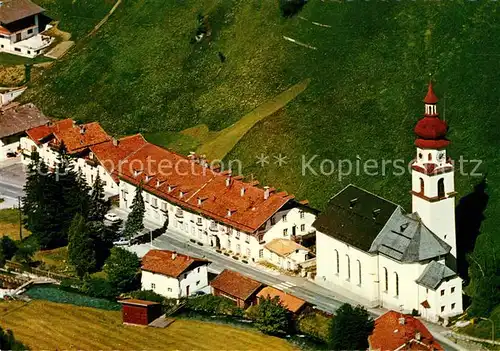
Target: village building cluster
x=365, y=245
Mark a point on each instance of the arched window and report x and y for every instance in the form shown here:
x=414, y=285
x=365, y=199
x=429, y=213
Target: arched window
x=396, y=278
x=348, y=267
x=422, y=186
x=338, y=263
x=386, y=279
x=359, y=272
x=441, y=187
x=429, y=156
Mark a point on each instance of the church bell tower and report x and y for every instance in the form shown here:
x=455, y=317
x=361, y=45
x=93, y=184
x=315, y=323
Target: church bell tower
x=433, y=186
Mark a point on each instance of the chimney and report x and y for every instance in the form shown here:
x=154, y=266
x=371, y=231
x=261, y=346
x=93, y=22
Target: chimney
x=418, y=336
x=174, y=255
x=200, y=201
x=82, y=130
x=401, y=320
x=228, y=179
x=115, y=142
x=266, y=192
x=74, y=124
x=242, y=191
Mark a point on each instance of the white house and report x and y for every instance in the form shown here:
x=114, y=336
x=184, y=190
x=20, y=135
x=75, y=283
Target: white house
x=173, y=275
x=9, y=94
x=21, y=25
x=14, y=121
x=211, y=207
x=368, y=246
x=286, y=253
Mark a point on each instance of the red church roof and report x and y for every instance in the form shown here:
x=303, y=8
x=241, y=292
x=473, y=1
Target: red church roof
x=396, y=331
x=430, y=98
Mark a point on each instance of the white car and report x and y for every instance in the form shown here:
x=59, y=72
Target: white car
x=122, y=241
x=111, y=217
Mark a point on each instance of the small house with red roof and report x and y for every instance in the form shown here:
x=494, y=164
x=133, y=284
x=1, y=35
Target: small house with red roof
x=240, y=289
x=396, y=331
x=292, y=303
x=174, y=275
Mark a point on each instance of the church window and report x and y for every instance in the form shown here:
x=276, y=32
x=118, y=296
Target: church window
x=348, y=267
x=359, y=272
x=441, y=187
x=386, y=279
x=429, y=156
x=396, y=279
x=422, y=186
x=452, y=306
x=420, y=155
x=442, y=308
x=452, y=289
x=442, y=292
x=338, y=263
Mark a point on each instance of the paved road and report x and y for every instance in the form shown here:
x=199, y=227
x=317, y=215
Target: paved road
x=12, y=179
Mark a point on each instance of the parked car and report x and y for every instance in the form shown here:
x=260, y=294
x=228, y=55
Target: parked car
x=122, y=241
x=198, y=293
x=112, y=217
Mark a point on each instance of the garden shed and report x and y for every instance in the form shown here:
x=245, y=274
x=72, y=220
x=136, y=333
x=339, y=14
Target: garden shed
x=140, y=312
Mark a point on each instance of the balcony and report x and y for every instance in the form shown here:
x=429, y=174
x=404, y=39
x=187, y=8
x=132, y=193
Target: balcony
x=213, y=227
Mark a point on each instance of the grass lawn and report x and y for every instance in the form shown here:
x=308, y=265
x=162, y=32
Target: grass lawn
x=55, y=260
x=46, y=325
x=9, y=223
x=482, y=329
x=14, y=60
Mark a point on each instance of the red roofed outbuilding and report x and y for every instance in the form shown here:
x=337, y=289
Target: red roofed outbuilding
x=236, y=287
x=140, y=312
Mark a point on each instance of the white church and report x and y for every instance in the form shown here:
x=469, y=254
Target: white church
x=369, y=246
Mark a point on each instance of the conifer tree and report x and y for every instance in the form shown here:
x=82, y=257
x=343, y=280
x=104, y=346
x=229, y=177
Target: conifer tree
x=33, y=188
x=350, y=328
x=98, y=205
x=135, y=219
x=81, y=250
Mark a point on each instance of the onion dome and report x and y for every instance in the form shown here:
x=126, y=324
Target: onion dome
x=431, y=128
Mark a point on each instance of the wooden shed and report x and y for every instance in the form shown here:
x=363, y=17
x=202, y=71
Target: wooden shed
x=140, y=312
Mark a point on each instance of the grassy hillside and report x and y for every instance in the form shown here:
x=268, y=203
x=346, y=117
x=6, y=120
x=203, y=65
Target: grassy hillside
x=45, y=325
x=142, y=73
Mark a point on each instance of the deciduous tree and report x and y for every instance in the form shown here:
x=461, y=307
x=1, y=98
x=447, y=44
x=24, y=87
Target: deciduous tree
x=350, y=328
x=271, y=317
x=123, y=270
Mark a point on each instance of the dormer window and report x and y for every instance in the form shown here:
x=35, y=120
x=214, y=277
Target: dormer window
x=171, y=188
x=230, y=212
x=148, y=178
x=181, y=194
x=137, y=172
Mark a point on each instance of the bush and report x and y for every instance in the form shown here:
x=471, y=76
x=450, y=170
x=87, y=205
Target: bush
x=271, y=317
x=314, y=325
x=210, y=304
x=8, y=247
x=290, y=8
x=98, y=287
x=148, y=295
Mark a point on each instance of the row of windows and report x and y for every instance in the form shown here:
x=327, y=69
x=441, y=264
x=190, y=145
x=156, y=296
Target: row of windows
x=386, y=281
x=440, y=187
x=452, y=290
x=302, y=229
x=348, y=263
x=452, y=307
x=283, y=217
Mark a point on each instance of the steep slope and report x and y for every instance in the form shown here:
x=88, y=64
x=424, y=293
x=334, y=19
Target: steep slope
x=369, y=67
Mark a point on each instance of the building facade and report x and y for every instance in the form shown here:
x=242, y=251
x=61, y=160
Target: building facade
x=370, y=247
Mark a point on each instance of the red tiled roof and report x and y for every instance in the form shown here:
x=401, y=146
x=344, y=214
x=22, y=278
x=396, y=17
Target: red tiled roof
x=38, y=133
x=389, y=334
x=290, y=302
x=169, y=263
x=75, y=137
x=166, y=168
x=235, y=284
x=110, y=155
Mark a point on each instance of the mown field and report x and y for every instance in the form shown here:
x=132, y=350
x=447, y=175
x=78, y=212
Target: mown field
x=50, y=326
x=368, y=75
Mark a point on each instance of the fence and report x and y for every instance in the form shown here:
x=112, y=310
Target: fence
x=17, y=267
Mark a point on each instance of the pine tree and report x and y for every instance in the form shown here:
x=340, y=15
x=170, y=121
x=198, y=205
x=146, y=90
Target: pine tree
x=350, y=328
x=98, y=205
x=33, y=188
x=81, y=250
x=135, y=219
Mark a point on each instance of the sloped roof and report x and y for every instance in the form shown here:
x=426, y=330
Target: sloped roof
x=434, y=274
x=137, y=302
x=111, y=155
x=201, y=189
x=355, y=216
x=290, y=302
x=406, y=239
x=15, y=119
x=236, y=284
x=13, y=10
x=169, y=263
x=284, y=247
x=390, y=334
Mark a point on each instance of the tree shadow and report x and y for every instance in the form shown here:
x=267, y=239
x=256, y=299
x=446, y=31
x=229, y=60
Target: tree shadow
x=469, y=214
